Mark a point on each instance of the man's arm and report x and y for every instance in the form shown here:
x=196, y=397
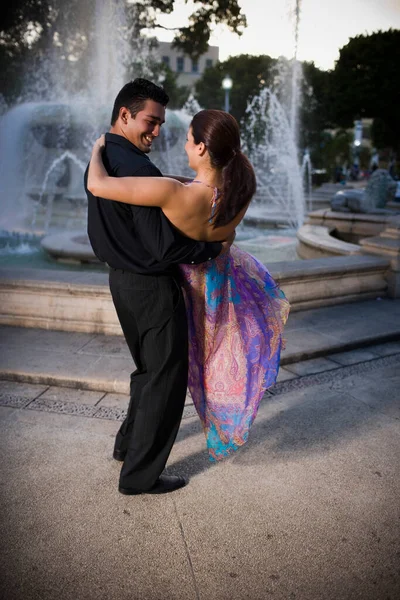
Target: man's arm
x=162, y=240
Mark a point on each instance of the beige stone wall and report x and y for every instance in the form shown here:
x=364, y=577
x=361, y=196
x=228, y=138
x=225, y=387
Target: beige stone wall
x=187, y=77
x=69, y=301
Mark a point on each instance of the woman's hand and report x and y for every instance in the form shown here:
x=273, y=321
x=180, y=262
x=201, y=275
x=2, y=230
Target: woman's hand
x=99, y=144
x=97, y=172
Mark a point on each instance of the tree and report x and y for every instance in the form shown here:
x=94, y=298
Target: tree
x=249, y=74
x=366, y=83
x=315, y=105
x=193, y=39
x=33, y=31
x=31, y=28
x=178, y=94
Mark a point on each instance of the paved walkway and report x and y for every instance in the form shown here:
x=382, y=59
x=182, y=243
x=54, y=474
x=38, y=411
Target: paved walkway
x=307, y=510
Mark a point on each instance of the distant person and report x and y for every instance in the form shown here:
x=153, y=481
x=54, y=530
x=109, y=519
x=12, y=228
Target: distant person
x=392, y=168
x=338, y=174
x=236, y=312
x=354, y=172
x=143, y=249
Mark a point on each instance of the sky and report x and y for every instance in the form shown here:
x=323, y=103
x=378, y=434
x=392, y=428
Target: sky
x=325, y=26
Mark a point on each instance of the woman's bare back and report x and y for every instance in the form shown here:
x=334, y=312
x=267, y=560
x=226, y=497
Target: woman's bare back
x=193, y=209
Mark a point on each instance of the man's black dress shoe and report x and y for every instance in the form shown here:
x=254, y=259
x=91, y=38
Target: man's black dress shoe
x=119, y=455
x=163, y=485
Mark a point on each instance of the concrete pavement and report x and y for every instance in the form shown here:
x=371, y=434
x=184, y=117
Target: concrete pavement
x=307, y=510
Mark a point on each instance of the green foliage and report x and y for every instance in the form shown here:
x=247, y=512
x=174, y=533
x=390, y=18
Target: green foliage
x=193, y=39
x=177, y=94
x=21, y=53
x=35, y=29
x=249, y=74
x=366, y=83
x=332, y=150
x=315, y=105
x=339, y=149
x=380, y=133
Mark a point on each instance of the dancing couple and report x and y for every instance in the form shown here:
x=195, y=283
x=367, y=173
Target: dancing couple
x=221, y=335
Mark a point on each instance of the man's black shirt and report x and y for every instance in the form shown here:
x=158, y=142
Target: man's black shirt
x=139, y=239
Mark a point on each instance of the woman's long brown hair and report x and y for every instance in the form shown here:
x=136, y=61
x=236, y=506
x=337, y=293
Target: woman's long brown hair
x=219, y=131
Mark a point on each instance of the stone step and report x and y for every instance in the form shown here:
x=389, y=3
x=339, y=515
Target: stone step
x=102, y=362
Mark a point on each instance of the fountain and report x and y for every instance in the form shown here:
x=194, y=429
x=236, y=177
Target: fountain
x=45, y=141
x=45, y=144
x=271, y=141
x=280, y=195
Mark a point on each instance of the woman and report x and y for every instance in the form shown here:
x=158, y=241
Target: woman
x=236, y=312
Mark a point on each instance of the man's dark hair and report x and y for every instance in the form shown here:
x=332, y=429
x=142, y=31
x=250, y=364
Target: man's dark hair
x=134, y=95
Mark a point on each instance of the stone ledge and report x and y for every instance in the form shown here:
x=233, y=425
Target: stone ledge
x=333, y=265
x=316, y=240
x=336, y=280
x=353, y=225
x=324, y=214
x=69, y=246
x=75, y=305
x=385, y=243
x=60, y=305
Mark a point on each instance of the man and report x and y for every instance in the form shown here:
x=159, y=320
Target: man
x=143, y=251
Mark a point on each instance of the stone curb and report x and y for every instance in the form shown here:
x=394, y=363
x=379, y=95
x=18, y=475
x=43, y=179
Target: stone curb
x=368, y=340
x=95, y=385
x=122, y=386
x=112, y=413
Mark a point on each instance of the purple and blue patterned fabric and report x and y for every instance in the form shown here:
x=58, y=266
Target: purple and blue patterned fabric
x=236, y=314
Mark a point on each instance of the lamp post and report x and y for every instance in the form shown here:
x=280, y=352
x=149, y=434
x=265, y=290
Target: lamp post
x=358, y=133
x=227, y=86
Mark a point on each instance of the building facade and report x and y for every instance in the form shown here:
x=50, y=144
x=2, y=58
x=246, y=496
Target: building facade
x=189, y=70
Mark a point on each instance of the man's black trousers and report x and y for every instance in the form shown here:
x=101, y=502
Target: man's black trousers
x=152, y=314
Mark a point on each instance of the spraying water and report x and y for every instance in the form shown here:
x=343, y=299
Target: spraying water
x=271, y=146
x=272, y=123
x=44, y=145
x=69, y=105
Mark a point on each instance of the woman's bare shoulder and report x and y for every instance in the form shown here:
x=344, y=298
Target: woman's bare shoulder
x=189, y=210
x=198, y=197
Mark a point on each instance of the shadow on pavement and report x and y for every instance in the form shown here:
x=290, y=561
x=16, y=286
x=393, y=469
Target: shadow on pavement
x=309, y=420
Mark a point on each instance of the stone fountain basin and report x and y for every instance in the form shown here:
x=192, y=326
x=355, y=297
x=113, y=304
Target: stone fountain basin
x=69, y=246
x=330, y=233
x=317, y=241
x=74, y=247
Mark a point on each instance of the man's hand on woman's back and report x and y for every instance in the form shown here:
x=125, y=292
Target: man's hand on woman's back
x=226, y=244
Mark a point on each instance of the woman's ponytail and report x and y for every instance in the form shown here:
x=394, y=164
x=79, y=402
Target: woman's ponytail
x=219, y=131
x=238, y=188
